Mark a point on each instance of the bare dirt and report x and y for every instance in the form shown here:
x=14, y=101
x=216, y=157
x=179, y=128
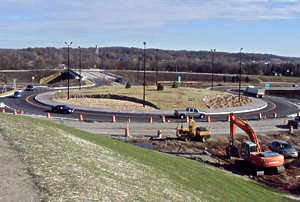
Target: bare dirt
x=213, y=152
x=15, y=182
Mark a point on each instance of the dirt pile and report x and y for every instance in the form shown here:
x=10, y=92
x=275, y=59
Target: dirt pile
x=226, y=101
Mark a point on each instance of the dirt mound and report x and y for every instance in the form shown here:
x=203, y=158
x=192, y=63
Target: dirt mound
x=226, y=101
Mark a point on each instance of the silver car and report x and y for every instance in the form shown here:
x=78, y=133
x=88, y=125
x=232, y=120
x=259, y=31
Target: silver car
x=284, y=148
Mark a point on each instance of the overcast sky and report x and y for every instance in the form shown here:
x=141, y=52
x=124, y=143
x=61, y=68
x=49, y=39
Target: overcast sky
x=261, y=26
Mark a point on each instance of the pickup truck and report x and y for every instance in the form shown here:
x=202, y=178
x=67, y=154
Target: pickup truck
x=251, y=90
x=189, y=111
x=294, y=122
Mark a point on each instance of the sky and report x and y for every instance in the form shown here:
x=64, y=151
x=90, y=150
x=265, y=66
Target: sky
x=257, y=26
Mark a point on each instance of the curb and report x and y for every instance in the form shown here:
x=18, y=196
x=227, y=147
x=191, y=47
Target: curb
x=43, y=99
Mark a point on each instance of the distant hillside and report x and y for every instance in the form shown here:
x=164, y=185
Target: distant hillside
x=132, y=58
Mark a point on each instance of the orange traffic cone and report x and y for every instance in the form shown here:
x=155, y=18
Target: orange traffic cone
x=15, y=112
x=48, y=115
x=3, y=110
x=22, y=111
x=127, y=133
x=113, y=119
x=163, y=119
x=259, y=115
x=208, y=119
x=291, y=130
x=80, y=117
x=159, y=133
x=150, y=119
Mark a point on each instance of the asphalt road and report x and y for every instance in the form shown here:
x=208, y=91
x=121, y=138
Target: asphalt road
x=282, y=106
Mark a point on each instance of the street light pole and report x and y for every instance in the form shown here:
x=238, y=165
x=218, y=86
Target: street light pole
x=144, y=93
x=240, y=74
x=156, y=63
x=68, y=44
x=79, y=67
x=212, y=67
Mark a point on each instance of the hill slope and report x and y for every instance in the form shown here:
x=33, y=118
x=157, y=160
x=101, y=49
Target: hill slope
x=69, y=164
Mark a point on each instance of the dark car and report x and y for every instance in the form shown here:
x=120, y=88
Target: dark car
x=284, y=148
x=63, y=109
x=29, y=87
x=17, y=94
x=294, y=122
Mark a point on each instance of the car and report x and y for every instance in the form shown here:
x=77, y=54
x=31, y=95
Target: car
x=17, y=94
x=63, y=109
x=284, y=148
x=189, y=111
x=294, y=122
x=29, y=87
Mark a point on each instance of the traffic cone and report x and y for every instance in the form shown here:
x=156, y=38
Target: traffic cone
x=15, y=112
x=298, y=113
x=265, y=117
x=113, y=119
x=48, y=115
x=208, y=119
x=128, y=119
x=159, y=133
x=187, y=119
x=291, y=130
x=80, y=117
x=3, y=110
x=275, y=115
x=163, y=119
x=127, y=133
x=228, y=118
x=259, y=115
x=150, y=119
x=22, y=111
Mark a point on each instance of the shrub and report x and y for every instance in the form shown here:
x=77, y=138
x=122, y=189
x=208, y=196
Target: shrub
x=175, y=84
x=128, y=85
x=160, y=87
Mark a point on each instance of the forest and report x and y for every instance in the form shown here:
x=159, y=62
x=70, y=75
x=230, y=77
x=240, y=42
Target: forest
x=123, y=58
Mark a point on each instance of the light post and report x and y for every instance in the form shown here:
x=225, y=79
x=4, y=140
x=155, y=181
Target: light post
x=156, y=63
x=68, y=44
x=212, y=67
x=144, y=95
x=240, y=74
x=79, y=67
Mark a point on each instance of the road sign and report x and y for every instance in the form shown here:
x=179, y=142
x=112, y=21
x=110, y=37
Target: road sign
x=267, y=85
x=179, y=79
x=191, y=99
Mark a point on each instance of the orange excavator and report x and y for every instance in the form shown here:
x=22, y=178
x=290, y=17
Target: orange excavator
x=251, y=151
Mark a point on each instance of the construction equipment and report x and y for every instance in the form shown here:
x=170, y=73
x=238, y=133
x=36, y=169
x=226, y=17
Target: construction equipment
x=251, y=151
x=193, y=132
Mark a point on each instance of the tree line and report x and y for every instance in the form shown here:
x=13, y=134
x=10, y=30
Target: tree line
x=155, y=59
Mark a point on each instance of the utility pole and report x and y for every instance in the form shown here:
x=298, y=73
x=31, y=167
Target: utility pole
x=212, y=67
x=68, y=44
x=156, y=63
x=79, y=67
x=144, y=92
x=240, y=74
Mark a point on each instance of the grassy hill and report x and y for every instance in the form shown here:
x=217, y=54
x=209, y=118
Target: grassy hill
x=72, y=165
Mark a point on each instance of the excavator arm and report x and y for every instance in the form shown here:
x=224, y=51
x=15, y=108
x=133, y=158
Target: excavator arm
x=236, y=121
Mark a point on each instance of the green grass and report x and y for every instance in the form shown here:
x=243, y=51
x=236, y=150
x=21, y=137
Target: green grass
x=206, y=182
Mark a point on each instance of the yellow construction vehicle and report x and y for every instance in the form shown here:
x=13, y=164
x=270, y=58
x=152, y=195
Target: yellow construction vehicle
x=193, y=132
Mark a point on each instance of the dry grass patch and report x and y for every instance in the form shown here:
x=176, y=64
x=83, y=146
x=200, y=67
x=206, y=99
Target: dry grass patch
x=168, y=99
